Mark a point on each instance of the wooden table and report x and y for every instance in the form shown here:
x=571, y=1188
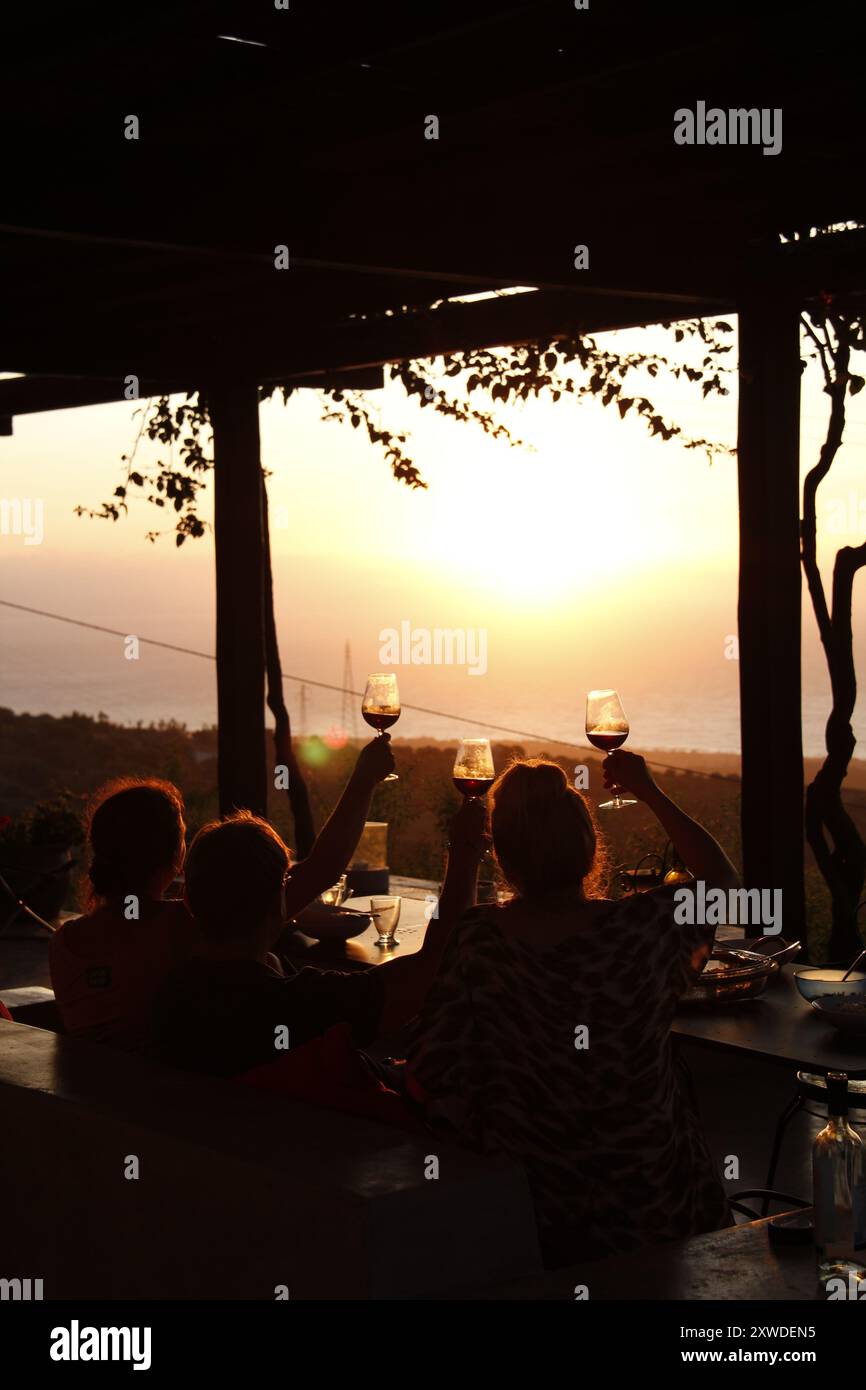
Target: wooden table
x=779, y=1026
x=738, y=1264
x=362, y=951
x=735, y=1265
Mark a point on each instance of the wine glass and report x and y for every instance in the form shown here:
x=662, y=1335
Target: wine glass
x=386, y=914
x=381, y=706
x=473, y=767
x=333, y=896
x=607, y=728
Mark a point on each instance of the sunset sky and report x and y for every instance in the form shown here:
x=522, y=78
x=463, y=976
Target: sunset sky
x=601, y=557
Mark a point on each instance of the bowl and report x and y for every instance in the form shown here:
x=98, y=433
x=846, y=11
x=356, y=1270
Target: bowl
x=325, y=923
x=813, y=983
x=847, y=1012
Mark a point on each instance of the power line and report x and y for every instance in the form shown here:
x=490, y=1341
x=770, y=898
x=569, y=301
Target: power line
x=340, y=689
x=303, y=680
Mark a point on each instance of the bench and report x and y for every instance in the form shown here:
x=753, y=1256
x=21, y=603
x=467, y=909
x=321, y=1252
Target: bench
x=33, y=1004
x=240, y=1193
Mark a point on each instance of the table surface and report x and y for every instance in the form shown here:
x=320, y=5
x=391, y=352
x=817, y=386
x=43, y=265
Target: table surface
x=736, y=1264
x=362, y=951
x=778, y=1026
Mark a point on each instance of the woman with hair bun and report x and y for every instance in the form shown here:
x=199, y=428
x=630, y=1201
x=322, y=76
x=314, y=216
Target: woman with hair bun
x=107, y=965
x=546, y=1034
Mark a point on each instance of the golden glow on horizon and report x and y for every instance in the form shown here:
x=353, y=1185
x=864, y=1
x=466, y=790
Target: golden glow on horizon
x=595, y=511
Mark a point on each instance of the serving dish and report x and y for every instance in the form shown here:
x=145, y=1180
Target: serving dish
x=731, y=975
x=777, y=948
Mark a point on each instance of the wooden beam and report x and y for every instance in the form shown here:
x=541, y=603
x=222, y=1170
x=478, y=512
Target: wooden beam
x=31, y=395
x=316, y=348
x=240, y=621
x=769, y=602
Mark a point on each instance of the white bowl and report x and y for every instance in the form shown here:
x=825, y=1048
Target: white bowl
x=814, y=983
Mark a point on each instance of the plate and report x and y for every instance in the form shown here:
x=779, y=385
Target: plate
x=326, y=923
x=846, y=1012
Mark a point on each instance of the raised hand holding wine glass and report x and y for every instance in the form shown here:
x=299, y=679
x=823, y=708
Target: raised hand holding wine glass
x=381, y=706
x=607, y=728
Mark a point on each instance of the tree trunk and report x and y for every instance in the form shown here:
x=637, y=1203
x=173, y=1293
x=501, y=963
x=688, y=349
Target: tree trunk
x=834, y=838
x=832, y=835
x=299, y=797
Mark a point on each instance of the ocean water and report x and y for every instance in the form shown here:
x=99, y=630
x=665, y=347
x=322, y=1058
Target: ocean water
x=54, y=669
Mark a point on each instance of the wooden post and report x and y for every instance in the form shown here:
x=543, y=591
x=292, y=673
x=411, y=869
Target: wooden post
x=240, y=626
x=769, y=602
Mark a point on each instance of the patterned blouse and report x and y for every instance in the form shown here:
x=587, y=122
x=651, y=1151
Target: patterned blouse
x=560, y=1057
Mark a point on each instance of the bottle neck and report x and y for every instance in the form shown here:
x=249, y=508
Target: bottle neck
x=837, y=1096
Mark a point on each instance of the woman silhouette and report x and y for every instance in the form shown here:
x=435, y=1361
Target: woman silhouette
x=546, y=1035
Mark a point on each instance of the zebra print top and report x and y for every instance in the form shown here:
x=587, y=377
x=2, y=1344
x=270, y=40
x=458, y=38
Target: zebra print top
x=561, y=1057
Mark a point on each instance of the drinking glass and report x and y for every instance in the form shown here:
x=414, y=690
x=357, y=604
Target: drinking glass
x=381, y=706
x=333, y=896
x=386, y=914
x=607, y=728
x=473, y=767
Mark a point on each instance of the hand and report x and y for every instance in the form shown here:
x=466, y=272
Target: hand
x=468, y=826
x=629, y=771
x=375, y=760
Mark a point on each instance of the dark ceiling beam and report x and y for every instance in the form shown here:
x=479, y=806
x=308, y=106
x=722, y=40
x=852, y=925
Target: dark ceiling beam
x=32, y=395
x=405, y=267
x=313, y=357
x=291, y=326
x=688, y=265
x=242, y=255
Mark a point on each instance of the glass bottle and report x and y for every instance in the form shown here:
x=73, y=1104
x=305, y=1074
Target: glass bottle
x=839, y=1184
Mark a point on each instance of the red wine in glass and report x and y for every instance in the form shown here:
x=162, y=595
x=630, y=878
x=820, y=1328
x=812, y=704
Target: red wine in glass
x=473, y=786
x=600, y=738
x=379, y=719
x=381, y=705
x=607, y=728
x=473, y=771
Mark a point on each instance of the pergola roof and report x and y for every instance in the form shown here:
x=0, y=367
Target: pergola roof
x=156, y=255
